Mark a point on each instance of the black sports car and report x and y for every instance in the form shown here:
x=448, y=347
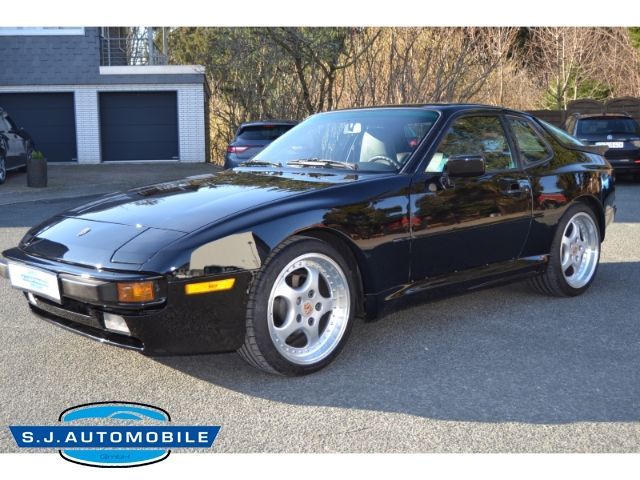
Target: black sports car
x=349, y=212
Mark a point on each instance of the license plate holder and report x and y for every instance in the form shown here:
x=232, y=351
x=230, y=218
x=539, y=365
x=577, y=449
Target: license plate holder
x=35, y=280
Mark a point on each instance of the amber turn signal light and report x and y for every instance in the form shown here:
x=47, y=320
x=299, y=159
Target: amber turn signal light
x=206, y=287
x=136, y=292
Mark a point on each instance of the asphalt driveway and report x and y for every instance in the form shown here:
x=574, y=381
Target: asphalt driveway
x=76, y=181
x=501, y=370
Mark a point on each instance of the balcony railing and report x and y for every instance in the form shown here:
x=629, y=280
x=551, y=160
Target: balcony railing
x=129, y=50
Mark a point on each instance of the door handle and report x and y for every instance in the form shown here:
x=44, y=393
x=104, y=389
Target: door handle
x=514, y=187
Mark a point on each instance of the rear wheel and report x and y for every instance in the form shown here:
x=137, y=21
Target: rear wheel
x=574, y=256
x=300, y=310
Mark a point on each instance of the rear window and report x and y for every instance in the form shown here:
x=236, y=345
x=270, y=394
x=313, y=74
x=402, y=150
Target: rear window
x=606, y=126
x=262, y=132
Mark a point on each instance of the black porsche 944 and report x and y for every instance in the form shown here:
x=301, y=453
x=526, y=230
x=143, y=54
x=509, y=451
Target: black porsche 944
x=346, y=215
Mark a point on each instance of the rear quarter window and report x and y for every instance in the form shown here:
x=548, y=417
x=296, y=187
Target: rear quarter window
x=561, y=136
x=531, y=146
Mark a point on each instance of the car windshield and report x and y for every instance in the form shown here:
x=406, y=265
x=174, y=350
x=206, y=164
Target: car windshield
x=606, y=126
x=369, y=139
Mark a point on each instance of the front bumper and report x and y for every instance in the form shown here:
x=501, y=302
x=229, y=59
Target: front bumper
x=180, y=324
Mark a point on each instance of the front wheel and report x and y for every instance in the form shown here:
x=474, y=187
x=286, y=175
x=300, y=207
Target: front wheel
x=574, y=256
x=301, y=308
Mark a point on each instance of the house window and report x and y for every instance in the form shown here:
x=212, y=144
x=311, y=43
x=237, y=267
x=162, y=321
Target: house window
x=12, y=31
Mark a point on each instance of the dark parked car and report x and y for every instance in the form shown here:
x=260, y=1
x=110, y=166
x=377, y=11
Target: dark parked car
x=618, y=132
x=252, y=137
x=16, y=146
x=352, y=211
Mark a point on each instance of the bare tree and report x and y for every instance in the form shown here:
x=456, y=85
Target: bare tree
x=619, y=63
x=565, y=57
x=261, y=73
x=409, y=65
x=318, y=55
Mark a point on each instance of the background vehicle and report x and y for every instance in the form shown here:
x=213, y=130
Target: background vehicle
x=16, y=146
x=349, y=213
x=252, y=137
x=619, y=132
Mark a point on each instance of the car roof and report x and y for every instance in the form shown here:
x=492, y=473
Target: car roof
x=438, y=106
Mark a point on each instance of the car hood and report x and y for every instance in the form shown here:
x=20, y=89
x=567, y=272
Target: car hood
x=130, y=227
x=189, y=204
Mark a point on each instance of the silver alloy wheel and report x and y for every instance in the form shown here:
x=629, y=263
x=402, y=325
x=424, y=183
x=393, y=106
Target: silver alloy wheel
x=3, y=169
x=308, y=308
x=579, y=250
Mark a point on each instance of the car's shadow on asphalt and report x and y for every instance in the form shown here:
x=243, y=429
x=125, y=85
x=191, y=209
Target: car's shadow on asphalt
x=499, y=355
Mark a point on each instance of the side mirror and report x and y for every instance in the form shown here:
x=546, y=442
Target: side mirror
x=465, y=166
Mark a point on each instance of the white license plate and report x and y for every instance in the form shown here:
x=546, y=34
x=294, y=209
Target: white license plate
x=35, y=280
x=611, y=144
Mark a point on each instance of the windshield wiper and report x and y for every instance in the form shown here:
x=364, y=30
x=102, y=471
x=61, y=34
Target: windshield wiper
x=260, y=163
x=318, y=162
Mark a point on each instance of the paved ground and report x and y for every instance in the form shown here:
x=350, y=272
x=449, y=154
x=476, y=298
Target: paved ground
x=73, y=181
x=503, y=370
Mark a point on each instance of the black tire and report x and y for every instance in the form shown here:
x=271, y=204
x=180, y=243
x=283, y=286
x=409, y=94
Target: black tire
x=552, y=281
x=259, y=349
x=3, y=169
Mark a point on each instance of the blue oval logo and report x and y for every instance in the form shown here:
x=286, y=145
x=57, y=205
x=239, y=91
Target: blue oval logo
x=114, y=414
x=114, y=434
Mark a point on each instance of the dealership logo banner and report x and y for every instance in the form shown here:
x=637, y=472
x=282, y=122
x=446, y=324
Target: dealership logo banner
x=127, y=434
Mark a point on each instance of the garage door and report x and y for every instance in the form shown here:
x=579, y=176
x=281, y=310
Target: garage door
x=139, y=126
x=50, y=120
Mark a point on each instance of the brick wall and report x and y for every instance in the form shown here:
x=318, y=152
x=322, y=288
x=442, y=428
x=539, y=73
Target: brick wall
x=191, y=123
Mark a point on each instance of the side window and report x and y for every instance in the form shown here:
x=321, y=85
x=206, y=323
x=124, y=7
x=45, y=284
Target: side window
x=531, y=147
x=3, y=125
x=478, y=135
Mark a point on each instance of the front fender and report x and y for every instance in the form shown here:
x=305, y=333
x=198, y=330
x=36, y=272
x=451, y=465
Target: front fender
x=372, y=219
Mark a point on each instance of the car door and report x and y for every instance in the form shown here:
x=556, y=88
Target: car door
x=464, y=223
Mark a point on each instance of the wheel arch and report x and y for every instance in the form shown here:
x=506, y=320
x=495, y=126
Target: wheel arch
x=594, y=204
x=351, y=253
